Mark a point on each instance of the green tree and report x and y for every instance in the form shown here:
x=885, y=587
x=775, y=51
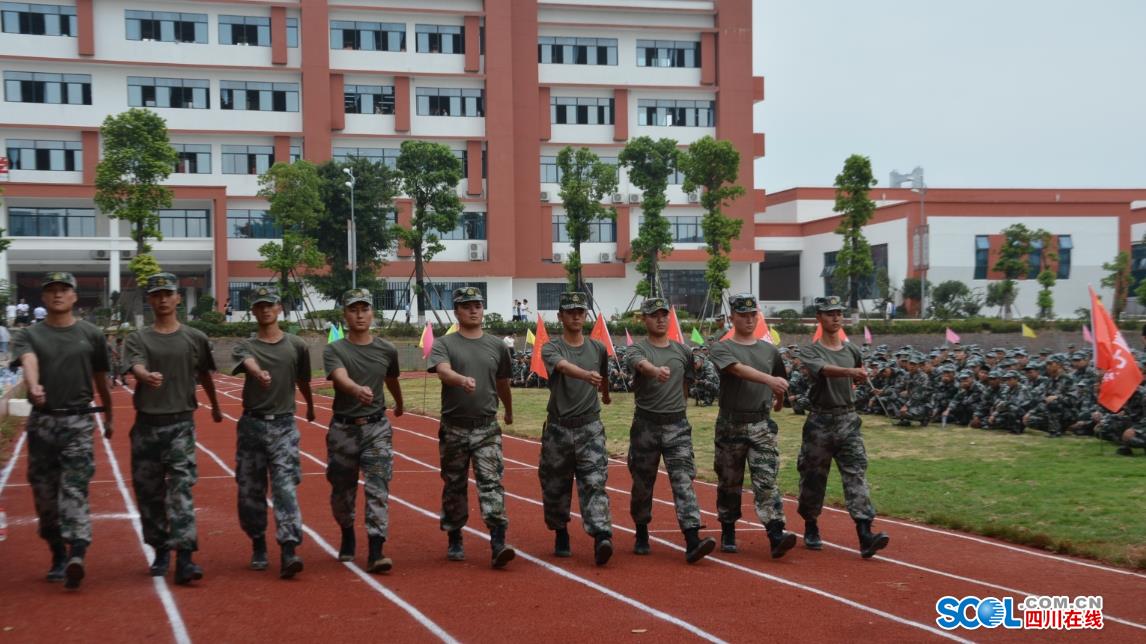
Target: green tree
x=293, y=193
x=1013, y=263
x=714, y=167
x=585, y=182
x=1119, y=280
x=1048, y=272
x=428, y=174
x=856, y=209
x=650, y=164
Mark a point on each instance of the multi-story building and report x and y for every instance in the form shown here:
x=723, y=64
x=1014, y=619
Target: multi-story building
x=245, y=83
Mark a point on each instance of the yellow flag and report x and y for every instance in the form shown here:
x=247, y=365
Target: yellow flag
x=1028, y=332
x=775, y=337
x=453, y=328
x=529, y=337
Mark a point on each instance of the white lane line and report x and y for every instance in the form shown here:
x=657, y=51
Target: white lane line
x=98, y=516
x=11, y=464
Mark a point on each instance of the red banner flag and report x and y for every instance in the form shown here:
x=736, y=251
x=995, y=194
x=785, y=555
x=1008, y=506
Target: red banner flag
x=600, y=333
x=1121, y=375
x=819, y=333
x=535, y=363
x=674, y=332
x=762, y=332
x=866, y=335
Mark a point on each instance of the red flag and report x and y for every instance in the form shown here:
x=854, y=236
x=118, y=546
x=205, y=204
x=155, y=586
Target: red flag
x=600, y=333
x=674, y=332
x=1086, y=337
x=762, y=332
x=427, y=341
x=628, y=339
x=818, y=334
x=1121, y=375
x=728, y=334
x=535, y=363
x=866, y=335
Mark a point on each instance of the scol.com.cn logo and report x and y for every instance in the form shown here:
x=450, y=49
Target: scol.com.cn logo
x=1037, y=612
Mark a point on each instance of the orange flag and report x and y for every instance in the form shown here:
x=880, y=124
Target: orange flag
x=600, y=333
x=762, y=332
x=1121, y=375
x=820, y=333
x=674, y=332
x=536, y=365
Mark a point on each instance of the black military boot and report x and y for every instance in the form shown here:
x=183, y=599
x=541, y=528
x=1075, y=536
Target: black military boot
x=74, y=571
x=812, y=539
x=1121, y=451
x=602, y=548
x=501, y=553
x=290, y=564
x=781, y=541
x=160, y=563
x=259, y=553
x=375, y=561
x=346, y=550
x=59, y=561
x=869, y=543
x=728, y=537
x=186, y=571
x=695, y=547
x=641, y=546
x=455, y=552
x=561, y=546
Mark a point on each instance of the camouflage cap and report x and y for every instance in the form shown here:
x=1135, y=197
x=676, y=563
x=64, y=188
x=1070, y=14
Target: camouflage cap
x=1034, y=364
x=1044, y=351
x=468, y=294
x=573, y=300
x=916, y=358
x=1011, y=373
x=1058, y=358
x=653, y=304
x=162, y=282
x=996, y=373
x=830, y=303
x=946, y=368
x=58, y=277
x=1020, y=352
x=265, y=294
x=743, y=303
x=1078, y=355
x=356, y=295
x=966, y=374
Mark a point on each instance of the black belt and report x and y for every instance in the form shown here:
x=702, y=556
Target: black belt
x=468, y=422
x=359, y=420
x=258, y=416
x=573, y=421
x=159, y=420
x=743, y=416
x=71, y=411
x=660, y=419
x=834, y=411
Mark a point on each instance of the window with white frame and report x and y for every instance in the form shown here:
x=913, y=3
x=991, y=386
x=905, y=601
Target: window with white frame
x=258, y=96
x=38, y=19
x=65, y=156
x=184, y=93
x=167, y=26
x=441, y=101
x=39, y=87
x=440, y=39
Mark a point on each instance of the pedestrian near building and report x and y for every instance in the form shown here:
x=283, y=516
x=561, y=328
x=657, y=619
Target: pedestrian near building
x=753, y=381
x=63, y=359
x=167, y=359
x=474, y=368
x=662, y=371
x=832, y=431
x=274, y=364
x=23, y=313
x=573, y=441
x=5, y=338
x=39, y=313
x=360, y=440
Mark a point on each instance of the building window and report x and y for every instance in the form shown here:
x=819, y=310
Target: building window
x=1034, y=259
x=38, y=19
x=259, y=96
x=395, y=297
x=36, y=87
x=386, y=156
x=184, y=223
x=369, y=99
x=686, y=290
x=668, y=53
x=551, y=172
x=553, y=50
x=686, y=230
x=193, y=158
x=251, y=224
x=367, y=36
x=143, y=91
x=464, y=158
x=581, y=111
x=295, y=152
x=600, y=230
x=549, y=295
x=440, y=39
x=672, y=113
x=253, y=31
x=471, y=226
x=65, y=156
x=440, y=295
x=1065, y=246
x=780, y=276
x=167, y=26
x=247, y=159
x=51, y=222
x=434, y=101
x=982, y=256
x=292, y=32
x=867, y=286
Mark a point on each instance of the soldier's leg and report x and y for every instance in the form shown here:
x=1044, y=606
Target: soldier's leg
x=813, y=463
x=251, y=477
x=592, y=477
x=763, y=465
x=285, y=475
x=77, y=465
x=728, y=463
x=555, y=472
x=454, y=454
x=851, y=459
x=44, y=476
x=485, y=444
x=342, y=472
x=681, y=467
x=377, y=459
x=149, y=480
x=182, y=473
x=643, y=458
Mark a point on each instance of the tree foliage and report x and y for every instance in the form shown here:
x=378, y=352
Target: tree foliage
x=295, y=205
x=954, y=299
x=1118, y=279
x=1014, y=263
x=854, y=262
x=650, y=164
x=585, y=182
x=714, y=166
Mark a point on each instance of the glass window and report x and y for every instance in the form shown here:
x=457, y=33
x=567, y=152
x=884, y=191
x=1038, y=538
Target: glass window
x=552, y=50
x=549, y=294
x=37, y=87
x=258, y=96
x=251, y=224
x=440, y=39
x=676, y=113
x=59, y=156
x=982, y=256
x=471, y=225
x=368, y=99
x=668, y=53
x=292, y=32
x=685, y=289
x=581, y=111
x=368, y=36
x=1034, y=259
x=686, y=230
x=166, y=26
x=38, y=19
x=184, y=223
x=193, y=158
x=386, y=156
x=252, y=31
x=600, y=230
x=434, y=101
x=51, y=222
x=1065, y=247
x=182, y=93
x=394, y=297
x=247, y=159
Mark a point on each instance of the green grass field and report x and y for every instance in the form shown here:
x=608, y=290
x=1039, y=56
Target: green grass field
x=1071, y=495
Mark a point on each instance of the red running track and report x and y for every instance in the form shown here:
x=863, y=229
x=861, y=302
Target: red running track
x=831, y=595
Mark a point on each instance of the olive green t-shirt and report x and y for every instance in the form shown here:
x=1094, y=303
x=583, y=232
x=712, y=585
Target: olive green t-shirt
x=738, y=394
x=485, y=359
x=68, y=357
x=573, y=396
x=288, y=362
x=651, y=394
x=368, y=365
x=830, y=392
x=180, y=356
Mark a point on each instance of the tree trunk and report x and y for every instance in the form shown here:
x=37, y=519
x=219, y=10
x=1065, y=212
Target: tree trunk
x=420, y=288
x=853, y=286
x=577, y=281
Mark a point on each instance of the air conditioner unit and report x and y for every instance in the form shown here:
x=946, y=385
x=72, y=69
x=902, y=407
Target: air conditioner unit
x=557, y=258
x=618, y=197
x=606, y=258
x=694, y=197
x=634, y=198
x=100, y=254
x=475, y=253
x=127, y=254
x=544, y=196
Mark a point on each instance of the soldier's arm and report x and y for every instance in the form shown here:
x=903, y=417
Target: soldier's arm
x=208, y=384
x=778, y=385
x=100, y=381
x=506, y=396
x=451, y=378
x=343, y=383
x=396, y=393
x=32, y=377
x=307, y=395
x=567, y=368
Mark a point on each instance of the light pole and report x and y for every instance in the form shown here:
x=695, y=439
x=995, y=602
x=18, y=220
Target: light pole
x=920, y=238
x=352, y=234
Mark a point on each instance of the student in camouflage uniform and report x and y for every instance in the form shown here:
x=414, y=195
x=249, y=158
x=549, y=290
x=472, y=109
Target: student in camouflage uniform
x=797, y=393
x=832, y=431
x=1007, y=410
x=752, y=375
x=707, y=384
x=167, y=358
x=474, y=369
x=360, y=440
x=662, y=371
x=943, y=389
x=915, y=394
x=1086, y=398
x=267, y=437
x=573, y=439
x=1054, y=406
x=990, y=393
x=967, y=399
x=62, y=358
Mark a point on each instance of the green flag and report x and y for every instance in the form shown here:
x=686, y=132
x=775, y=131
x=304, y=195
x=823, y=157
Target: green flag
x=696, y=337
x=335, y=333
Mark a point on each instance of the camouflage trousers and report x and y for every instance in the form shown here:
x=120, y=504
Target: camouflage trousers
x=827, y=437
x=457, y=446
x=960, y=414
x=163, y=471
x=1050, y=417
x=268, y=449
x=368, y=449
x=60, y=465
x=648, y=442
x=754, y=444
x=920, y=413
x=575, y=451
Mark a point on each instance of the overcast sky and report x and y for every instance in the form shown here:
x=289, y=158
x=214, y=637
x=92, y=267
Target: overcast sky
x=981, y=93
